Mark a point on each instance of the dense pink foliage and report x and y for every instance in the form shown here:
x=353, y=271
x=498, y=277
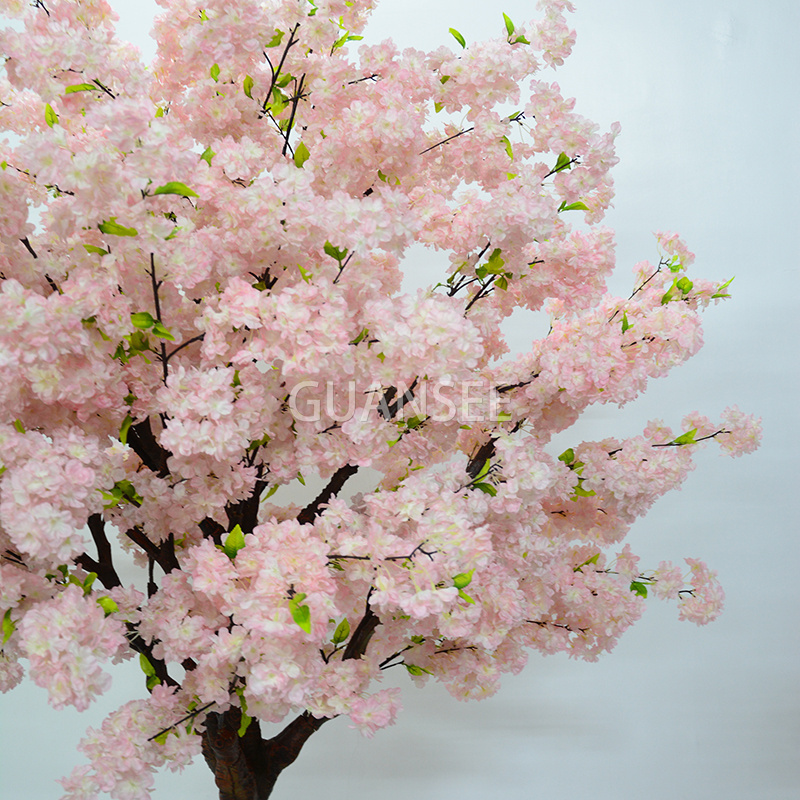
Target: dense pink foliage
x=215, y=244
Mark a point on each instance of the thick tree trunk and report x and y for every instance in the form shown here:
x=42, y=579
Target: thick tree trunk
x=246, y=767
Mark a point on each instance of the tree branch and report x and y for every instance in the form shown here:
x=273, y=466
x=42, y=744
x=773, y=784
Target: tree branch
x=104, y=566
x=448, y=139
x=337, y=481
x=144, y=444
x=245, y=512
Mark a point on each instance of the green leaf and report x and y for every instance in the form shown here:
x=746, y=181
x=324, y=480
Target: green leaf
x=562, y=162
x=121, y=492
x=686, y=438
x=278, y=103
x=501, y=282
x=50, y=116
x=107, y=604
x=162, y=737
x=507, y=142
x=520, y=40
x=208, y=154
x=509, y=24
x=254, y=445
x=88, y=581
x=142, y=320
x=113, y=228
x=247, y=85
x=579, y=491
x=139, y=343
x=684, y=284
x=90, y=248
x=148, y=669
x=176, y=187
x=8, y=627
x=203, y=16
x=300, y=614
x=437, y=107
x=639, y=588
x=464, y=596
x=487, y=488
x=344, y=40
x=214, y=72
x=415, y=422
x=592, y=560
x=626, y=326
x=81, y=87
x=444, y=78
x=152, y=682
x=234, y=542
x=335, y=252
x=361, y=336
x=494, y=266
x=413, y=669
x=129, y=492
x=18, y=426
x=720, y=290
x=275, y=40
x=675, y=264
x=342, y=632
x=162, y=332
x=458, y=37
x=246, y=720
x=463, y=579
x=579, y=206
x=301, y=154
x=568, y=456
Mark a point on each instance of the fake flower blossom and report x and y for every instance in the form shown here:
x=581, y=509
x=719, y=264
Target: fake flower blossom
x=376, y=711
x=67, y=640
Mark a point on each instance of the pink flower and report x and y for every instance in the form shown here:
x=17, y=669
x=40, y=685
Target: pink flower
x=375, y=711
x=742, y=432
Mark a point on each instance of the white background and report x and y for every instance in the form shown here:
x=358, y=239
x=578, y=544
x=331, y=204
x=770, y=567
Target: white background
x=706, y=91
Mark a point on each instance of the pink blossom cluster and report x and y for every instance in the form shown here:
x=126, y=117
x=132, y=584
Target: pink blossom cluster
x=703, y=602
x=223, y=232
x=375, y=711
x=66, y=640
x=51, y=484
x=123, y=753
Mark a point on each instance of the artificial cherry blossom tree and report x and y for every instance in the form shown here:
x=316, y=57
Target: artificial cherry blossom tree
x=200, y=275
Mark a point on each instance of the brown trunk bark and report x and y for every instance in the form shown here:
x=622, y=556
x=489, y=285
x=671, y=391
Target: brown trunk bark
x=246, y=767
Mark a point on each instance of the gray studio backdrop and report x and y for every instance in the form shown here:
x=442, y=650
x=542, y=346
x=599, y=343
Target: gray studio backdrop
x=706, y=94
